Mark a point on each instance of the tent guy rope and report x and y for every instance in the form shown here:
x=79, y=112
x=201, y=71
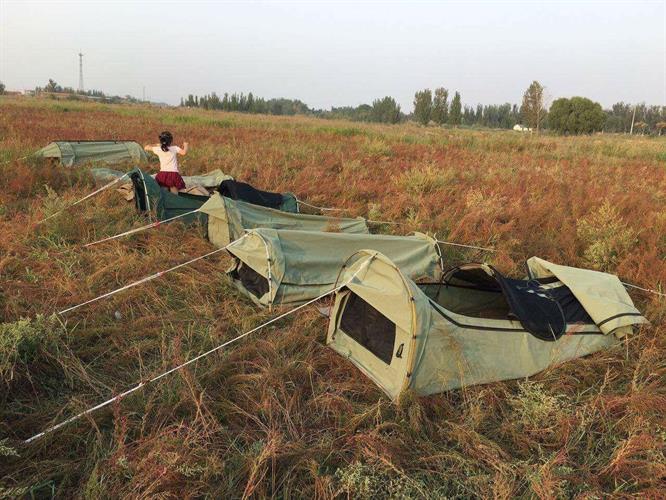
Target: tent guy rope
x=465, y=246
x=324, y=209
x=649, y=290
x=142, y=280
x=181, y=366
x=106, y=186
x=142, y=228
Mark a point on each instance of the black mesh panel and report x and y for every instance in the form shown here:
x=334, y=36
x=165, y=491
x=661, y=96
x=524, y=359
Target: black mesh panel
x=370, y=328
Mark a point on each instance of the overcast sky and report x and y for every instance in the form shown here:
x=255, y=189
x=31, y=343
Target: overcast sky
x=340, y=53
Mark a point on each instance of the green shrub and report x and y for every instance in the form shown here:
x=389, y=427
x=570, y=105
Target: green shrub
x=606, y=237
x=377, y=147
x=533, y=405
x=22, y=341
x=424, y=180
x=359, y=480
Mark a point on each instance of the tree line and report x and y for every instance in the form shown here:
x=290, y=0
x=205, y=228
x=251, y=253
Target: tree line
x=385, y=110
x=570, y=116
x=576, y=115
x=52, y=87
x=246, y=104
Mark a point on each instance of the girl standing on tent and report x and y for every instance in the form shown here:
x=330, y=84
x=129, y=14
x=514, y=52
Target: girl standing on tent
x=168, y=176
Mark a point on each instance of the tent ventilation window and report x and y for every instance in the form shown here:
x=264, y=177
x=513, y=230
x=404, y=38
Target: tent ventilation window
x=370, y=328
x=253, y=282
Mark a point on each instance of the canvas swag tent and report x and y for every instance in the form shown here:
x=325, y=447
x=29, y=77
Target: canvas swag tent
x=291, y=267
x=71, y=153
x=473, y=327
x=149, y=196
x=229, y=219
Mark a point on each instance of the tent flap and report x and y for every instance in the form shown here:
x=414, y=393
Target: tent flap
x=602, y=295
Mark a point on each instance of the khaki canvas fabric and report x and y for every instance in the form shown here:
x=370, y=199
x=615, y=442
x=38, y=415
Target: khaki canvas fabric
x=302, y=265
x=229, y=219
x=442, y=350
x=71, y=153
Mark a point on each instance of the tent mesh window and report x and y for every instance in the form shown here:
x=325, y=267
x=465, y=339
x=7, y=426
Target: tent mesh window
x=253, y=282
x=370, y=328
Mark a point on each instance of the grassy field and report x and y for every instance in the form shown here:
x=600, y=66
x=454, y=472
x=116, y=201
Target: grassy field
x=279, y=414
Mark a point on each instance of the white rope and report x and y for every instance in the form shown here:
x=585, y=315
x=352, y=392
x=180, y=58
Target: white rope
x=17, y=159
x=106, y=186
x=661, y=294
x=138, y=229
x=466, y=246
x=141, y=281
x=385, y=222
x=323, y=209
x=183, y=365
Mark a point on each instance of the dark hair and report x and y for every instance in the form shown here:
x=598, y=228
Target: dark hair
x=165, y=140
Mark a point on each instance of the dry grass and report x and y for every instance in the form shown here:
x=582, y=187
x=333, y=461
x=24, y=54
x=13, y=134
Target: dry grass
x=279, y=415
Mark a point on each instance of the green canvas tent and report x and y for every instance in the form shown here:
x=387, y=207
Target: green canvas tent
x=229, y=219
x=149, y=196
x=474, y=326
x=71, y=153
x=275, y=266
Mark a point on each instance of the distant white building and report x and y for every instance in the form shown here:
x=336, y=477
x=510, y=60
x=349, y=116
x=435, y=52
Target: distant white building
x=521, y=128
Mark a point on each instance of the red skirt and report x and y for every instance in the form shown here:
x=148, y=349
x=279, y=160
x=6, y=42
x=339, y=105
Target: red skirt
x=170, y=179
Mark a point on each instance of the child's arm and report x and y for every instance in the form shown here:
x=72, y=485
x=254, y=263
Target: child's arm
x=183, y=150
x=149, y=147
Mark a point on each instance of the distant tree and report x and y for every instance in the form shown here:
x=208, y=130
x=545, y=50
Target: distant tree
x=423, y=106
x=440, y=106
x=455, y=114
x=469, y=116
x=532, y=110
x=578, y=115
x=385, y=110
x=2, y=88
x=618, y=118
x=52, y=86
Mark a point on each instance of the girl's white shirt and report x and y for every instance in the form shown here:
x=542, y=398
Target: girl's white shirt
x=168, y=159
